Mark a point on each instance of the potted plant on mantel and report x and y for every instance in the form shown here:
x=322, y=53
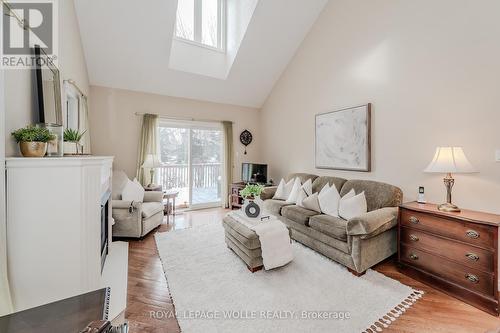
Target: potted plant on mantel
x=72, y=141
x=33, y=140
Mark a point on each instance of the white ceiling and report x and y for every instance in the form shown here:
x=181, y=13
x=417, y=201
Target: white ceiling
x=127, y=45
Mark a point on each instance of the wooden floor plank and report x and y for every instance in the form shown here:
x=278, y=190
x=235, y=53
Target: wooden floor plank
x=149, y=297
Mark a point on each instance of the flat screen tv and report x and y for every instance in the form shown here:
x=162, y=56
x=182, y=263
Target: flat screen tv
x=254, y=173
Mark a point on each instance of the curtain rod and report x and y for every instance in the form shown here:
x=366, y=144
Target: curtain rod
x=182, y=118
x=73, y=83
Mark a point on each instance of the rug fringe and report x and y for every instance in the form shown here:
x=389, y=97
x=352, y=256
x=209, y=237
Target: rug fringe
x=394, y=313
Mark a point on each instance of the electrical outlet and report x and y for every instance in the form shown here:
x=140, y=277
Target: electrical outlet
x=497, y=155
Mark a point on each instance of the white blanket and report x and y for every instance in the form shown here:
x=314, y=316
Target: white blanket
x=273, y=236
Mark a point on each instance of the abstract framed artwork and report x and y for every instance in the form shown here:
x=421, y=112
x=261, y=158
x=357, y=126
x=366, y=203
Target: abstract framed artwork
x=343, y=139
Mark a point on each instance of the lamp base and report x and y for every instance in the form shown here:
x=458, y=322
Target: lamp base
x=449, y=207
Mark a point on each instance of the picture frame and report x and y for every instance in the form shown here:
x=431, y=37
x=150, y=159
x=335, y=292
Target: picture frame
x=343, y=139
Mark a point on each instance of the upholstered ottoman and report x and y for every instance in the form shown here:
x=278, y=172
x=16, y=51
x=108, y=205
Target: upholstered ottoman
x=244, y=242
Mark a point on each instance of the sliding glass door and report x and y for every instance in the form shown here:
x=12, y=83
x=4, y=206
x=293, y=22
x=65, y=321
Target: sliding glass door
x=192, y=162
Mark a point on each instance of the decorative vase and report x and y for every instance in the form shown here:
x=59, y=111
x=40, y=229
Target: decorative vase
x=33, y=149
x=54, y=147
x=71, y=148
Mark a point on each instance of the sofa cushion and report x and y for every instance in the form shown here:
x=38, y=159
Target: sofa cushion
x=329, y=225
x=378, y=195
x=321, y=239
x=273, y=206
x=320, y=182
x=302, y=176
x=298, y=214
x=151, y=208
x=352, y=206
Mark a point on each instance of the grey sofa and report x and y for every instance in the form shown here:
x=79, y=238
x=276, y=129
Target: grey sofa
x=359, y=243
x=134, y=219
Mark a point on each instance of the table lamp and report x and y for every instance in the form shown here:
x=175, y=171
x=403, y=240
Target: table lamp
x=449, y=160
x=151, y=162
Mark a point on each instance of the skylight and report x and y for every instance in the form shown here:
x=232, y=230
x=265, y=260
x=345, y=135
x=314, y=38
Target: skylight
x=202, y=22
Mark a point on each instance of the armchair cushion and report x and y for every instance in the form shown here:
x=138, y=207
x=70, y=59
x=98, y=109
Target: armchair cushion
x=153, y=196
x=123, y=204
x=151, y=208
x=373, y=223
x=119, y=181
x=133, y=190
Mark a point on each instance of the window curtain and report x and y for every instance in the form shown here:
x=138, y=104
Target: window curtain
x=228, y=162
x=147, y=145
x=84, y=123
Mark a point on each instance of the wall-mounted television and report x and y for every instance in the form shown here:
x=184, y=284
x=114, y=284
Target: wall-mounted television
x=254, y=173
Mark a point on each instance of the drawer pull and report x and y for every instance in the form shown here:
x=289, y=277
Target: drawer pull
x=413, y=238
x=472, y=234
x=472, y=256
x=414, y=220
x=413, y=256
x=472, y=278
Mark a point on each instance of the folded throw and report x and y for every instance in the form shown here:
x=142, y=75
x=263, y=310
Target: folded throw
x=274, y=239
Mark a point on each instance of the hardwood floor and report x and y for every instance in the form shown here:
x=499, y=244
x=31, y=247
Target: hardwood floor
x=148, y=292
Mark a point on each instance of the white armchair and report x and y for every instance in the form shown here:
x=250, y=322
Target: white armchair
x=134, y=219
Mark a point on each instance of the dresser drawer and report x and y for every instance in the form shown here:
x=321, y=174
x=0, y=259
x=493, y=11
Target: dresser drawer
x=467, y=255
x=475, y=234
x=466, y=277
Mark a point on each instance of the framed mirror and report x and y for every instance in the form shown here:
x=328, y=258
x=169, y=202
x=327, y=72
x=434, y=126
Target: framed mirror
x=71, y=110
x=75, y=115
x=48, y=89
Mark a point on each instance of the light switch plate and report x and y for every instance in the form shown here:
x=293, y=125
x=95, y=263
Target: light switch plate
x=497, y=155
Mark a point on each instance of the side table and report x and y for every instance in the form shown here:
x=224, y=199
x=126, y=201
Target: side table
x=167, y=195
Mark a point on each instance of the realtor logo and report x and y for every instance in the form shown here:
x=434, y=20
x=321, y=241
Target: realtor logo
x=24, y=25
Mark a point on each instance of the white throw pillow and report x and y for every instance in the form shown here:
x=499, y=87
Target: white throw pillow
x=133, y=191
x=329, y=199
x=305, y=191
x=352, y=206
x=292, y=198
x=312, y=203
x=283, y=190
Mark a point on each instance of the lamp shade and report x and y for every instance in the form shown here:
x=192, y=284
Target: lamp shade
x=151, y=162
x=450, y=160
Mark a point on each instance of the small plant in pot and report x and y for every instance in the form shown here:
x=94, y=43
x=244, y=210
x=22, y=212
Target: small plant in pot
x=33, y=140
x=72, y=141
x=251, y=191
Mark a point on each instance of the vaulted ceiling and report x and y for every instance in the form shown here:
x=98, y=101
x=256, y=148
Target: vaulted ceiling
x=127, y=45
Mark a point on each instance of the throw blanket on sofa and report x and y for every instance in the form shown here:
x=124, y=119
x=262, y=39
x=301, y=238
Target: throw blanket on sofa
x=273, y=236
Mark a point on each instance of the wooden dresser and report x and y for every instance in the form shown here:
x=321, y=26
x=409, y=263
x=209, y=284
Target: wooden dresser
x=456, y=253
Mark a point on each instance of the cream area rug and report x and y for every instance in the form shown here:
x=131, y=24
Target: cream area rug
x=213, y=291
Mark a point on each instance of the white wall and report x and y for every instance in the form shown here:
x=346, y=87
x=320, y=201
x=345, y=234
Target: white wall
x=431, y=70
x=116, y=128
x=20, y=93
x=5, y=300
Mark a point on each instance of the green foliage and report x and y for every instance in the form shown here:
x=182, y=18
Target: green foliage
x=33, y=134
x=72, y=135
x=205, y=145
x=252, y=191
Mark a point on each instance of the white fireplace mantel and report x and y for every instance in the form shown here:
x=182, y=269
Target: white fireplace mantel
x=53, y=228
